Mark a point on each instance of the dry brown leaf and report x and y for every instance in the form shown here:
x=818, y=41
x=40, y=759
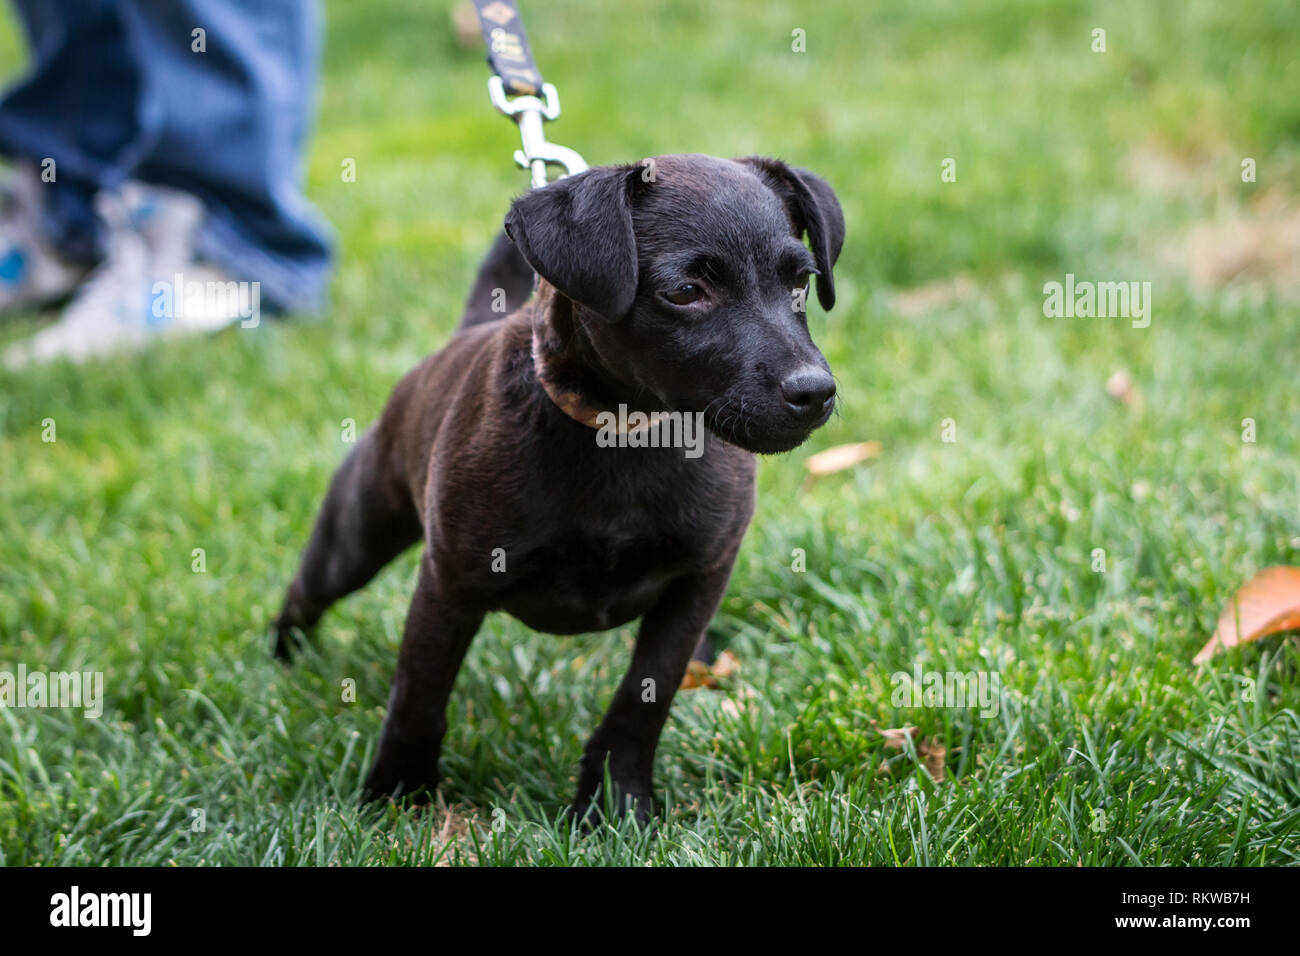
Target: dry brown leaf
x=896, y=736
x=1268, y=603
x=726, y=665
x=936, y=757
x=929, y=749
x=700, y=674
x=697, y=675
x=841, y=457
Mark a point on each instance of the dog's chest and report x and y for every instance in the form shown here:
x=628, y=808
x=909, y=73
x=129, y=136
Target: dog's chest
x=584, y=541
x=590, y=577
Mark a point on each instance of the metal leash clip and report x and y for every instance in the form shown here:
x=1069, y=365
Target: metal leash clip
x=530, y=114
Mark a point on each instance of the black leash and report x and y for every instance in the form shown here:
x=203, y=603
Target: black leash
x=509, y=54
x=516, y=74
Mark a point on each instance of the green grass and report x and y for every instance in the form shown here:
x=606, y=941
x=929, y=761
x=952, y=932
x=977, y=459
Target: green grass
x=1109, y=746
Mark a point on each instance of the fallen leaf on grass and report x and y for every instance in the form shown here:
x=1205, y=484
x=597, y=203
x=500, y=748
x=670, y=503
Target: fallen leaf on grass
x=936, y=757
x=895, y=737
x=700, y=674
x=841, y=457
x=929, y=749
x=697, y=675
x=1267, y=604
x=726, y=665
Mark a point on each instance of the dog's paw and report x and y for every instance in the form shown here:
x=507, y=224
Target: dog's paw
x=415, y=786
x=286, y=641
x=292, y=629
x=590, y=810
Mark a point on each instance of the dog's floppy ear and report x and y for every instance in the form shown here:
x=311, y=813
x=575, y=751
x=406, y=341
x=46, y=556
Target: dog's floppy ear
x=576, y=233
x=815, y=210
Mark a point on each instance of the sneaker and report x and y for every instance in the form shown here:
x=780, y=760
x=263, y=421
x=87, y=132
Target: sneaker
x=32, y=273
x=150, y=284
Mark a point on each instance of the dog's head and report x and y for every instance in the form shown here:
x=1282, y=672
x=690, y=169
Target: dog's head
x=691, y=278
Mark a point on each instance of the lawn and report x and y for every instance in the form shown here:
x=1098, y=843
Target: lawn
x=970, y=543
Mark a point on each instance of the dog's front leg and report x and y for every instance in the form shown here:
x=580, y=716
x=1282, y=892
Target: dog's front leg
x=437, y=634
x=626, y=740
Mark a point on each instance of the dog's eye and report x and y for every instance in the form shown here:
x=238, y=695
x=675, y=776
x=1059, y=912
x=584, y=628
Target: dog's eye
x=801, y=282
x=684, y=294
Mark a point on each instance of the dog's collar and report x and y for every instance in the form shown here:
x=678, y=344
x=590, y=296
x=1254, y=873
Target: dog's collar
x=571, y=402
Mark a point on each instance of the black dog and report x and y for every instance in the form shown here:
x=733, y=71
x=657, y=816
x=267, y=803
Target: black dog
x=668, y=287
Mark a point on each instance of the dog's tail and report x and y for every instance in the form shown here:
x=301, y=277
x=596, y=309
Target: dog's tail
x=504, y=283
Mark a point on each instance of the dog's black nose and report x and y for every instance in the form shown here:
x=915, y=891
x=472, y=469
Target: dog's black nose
x=808, y=390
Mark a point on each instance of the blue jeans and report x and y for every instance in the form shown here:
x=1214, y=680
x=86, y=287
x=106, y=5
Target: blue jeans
x=117, y=92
